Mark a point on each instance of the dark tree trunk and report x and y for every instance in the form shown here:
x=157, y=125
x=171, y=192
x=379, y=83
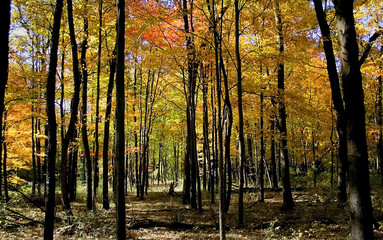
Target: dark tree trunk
x=337, y=101
x=359, y=183
x=52, y=127
x=190, y=92
x=73, y=159
x=74, y=112
x=379, y=146
x=5, y=174
x=228, y=114
x=261, y=162
x=5, y=180
x=272, y=148
x=96, y=134
x=90, y=202
x=135, y=134
x=288, y=202
x=218, y=133
x=38, y=156
x=206, y=146
x=105, y=150
x=120, y=121
x=241, y=138
x=34, y=170
x=4, y=50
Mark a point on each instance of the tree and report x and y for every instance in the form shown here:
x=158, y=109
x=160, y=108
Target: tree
x=96, y=133
x=120, y=121
x=105, y=158
x=52, y=141
x=288, y=202
x=241, y=137
x=359, y=183
x=190, y=82
x=74, y=112
x=6, y=12
x=337, y=100
x=91, y=201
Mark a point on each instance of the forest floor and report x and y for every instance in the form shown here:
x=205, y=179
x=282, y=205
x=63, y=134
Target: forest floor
x=160, y=216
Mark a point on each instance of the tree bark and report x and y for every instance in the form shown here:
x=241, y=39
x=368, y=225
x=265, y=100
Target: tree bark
x=288, y=202
x=120, y=121
x=105, y=150
x=90, y=202
x=96, y=134
x=272, y=147
x=337, y=101
x=261, y=162
x=5, y=174
x=4, y=51
x=52, y=127
x=359, y=183
x=74, y=112
x=241, y=138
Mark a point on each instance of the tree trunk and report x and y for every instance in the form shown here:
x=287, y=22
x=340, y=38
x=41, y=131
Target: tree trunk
x=337, y=101
x=4, y=48
x=120, y=121
x=96, y=134
x=38, y=157
x=73, y=159
x=105, y=150
x=272, y=148
x=52, y=141
x=359, y=183
x=379, y=146
x=74, y=112
x=90, y=203
x=33, y=155
x=5, y=174
x=206, y=146
x=261, y=162
x=288, y=202
x=241, y=138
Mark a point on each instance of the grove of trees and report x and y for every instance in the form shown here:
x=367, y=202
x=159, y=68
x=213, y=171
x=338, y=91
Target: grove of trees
x=212, y=100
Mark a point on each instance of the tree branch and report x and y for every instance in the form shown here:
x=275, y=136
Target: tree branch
x=367, y=50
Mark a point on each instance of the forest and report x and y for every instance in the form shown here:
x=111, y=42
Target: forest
x=191, y=119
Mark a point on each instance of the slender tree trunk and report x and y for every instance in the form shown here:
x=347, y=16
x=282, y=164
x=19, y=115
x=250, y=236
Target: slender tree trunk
x=105, y=150
x=228, y=123
x=206, y=146
x=73, y=159
x=272, y=148
x=38, y=157
x=314, y=158
x=261, y=162
x=379, y=146
x=332, y=151
x=90, y=203
x=74, y=112
x=33, y=154
x=5, y=180
x=241, y=138
x=96, y=134
x=120, y=121
x=52, y=141
x=4, y=51
x=190, y=96
x=5, y=174
x=219, y=132
x=288, y=202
